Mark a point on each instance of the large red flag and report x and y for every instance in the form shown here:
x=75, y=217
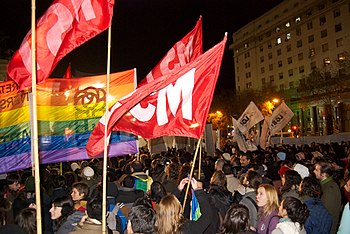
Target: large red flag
x=177, y=104
x=184, y=51
x=65, y=25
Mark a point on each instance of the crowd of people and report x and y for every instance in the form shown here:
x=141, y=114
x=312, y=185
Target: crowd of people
x=281, y=190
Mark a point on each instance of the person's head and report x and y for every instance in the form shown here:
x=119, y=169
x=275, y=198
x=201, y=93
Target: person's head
x=94, y=208
x=347, y=186
x=323, y=170
x=80, y=191
x=219, y=179
x=244, y=160
x=290, y=179
x=61, y=208
x=227, y=169
x=173, y=170
x=128, y=181
x=219, y=164
x=13, y=182
x=236, y=220
x=267, y=198
x=26, y=219
x=310, y=187
x=169, y=216
x=157, y=191
x=59, y=182
x=136, y=166
x=293, y=209
x=252, y=179
x=141, y=220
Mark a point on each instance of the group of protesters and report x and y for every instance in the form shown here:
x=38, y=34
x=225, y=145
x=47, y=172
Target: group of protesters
x=283, y=189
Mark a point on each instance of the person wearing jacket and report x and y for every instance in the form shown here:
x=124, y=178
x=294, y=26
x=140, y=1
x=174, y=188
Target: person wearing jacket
x=293, y=215
x=169, y=217
x=344, y=227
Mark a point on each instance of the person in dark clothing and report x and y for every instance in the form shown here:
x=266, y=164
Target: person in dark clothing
x=127, y=193
x=170, y=220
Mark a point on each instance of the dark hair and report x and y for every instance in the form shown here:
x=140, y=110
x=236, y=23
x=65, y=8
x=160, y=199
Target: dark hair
x=254, y=179
x=59, y=182
x=82, y=188
x=173, y=170
x=236, y=220
x=296, y=210
x=128, y=181
x=12, y=178
x=291, y=178
x=66, y=203
x=227, y=169
x=142, y=219
x=157, y=191
x=136, y=166
x=311, y=187
x=94, y=208
x=26, y=219
x=325, y=167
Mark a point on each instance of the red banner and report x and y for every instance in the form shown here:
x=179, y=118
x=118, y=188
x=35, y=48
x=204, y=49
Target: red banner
x=177, y=104
x=184, y=51
x=65, y=25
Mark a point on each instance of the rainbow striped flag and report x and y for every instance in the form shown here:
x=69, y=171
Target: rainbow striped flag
x=68, y=110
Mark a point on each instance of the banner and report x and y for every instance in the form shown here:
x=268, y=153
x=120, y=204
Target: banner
x=65, y=25
x=68, y=110
x=265, y=133
x=244, y=143
x=280, y=118
x=249, y=118
x=180, y=107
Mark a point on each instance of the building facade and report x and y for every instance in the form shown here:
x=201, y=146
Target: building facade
x=280, y=49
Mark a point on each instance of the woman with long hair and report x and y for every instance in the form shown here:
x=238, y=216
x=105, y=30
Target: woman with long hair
x=26, y=219
x=290, y=184
x=236, y=221
x=170, y=219
x=156, y=193
x=293, y=215
x=267, y=200
x=63, y=215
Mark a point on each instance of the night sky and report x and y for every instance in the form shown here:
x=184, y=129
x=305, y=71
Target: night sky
x=143, y=31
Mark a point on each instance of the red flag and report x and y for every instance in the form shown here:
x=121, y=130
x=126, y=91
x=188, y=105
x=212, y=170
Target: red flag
x=179, y=108
x=65, y=25
x=68, y=73
x=184, y=51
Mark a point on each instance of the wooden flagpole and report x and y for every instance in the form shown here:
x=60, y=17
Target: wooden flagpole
x=191, y=173
x=34, y=134
x=106, y=138
x=200, y=161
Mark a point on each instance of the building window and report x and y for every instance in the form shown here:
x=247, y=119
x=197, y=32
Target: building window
x=301, y=69
x=323, y=20
x=300, y=56
x=326, y=61
x=290, y=72
x=247, y=64
x=278, y=29
x=238, y=78
x=287, y=24
x=249, y=85
x=309, y=13
x=321, y=6
x=289, y=48
x=280, y=63
x=339, y=42
x=271, y=67
x=313, y=65
x=239, y=88
x=237, y=69
x=290, y=60
x=236, y=60
x=338, y=27
x=323, y=33
x=246, y=45
x=325, y=47
x=261, y=48
x=278, y=40
x=272, y=79
x=280, y=75
x=336, y=13
x=281, y=87
x=270, y=55
x=288, y=36
x=311, y=38
x=263, y=81
x=279, y=52
x=341, y=57
x=269, y=45
x=309, y=25
x=262, y=70
x=297, y=20
x=248, y=75
x=291, y=85
x=302, y=82
x=312, y=52
x=262, y=59
x=298, y=31
x=299, y=43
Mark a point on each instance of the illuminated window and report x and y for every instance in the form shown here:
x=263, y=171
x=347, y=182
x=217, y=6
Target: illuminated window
x=288, y=36
x=341, y=57
x=312, y=52
x=297, y=20
x=246, y=45
x=278, y=29
x=288, y=24
x=326, y=61
x=278, y=40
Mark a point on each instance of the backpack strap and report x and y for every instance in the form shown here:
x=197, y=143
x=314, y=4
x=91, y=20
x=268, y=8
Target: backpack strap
x=268, y=226
x=254, y=203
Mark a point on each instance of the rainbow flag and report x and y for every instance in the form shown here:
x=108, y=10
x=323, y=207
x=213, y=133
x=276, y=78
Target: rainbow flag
x=68, y=110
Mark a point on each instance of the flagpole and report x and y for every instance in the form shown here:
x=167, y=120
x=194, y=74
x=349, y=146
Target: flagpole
x=200, y=160
x=191, y=173
x=106, y=138
x=34, y=134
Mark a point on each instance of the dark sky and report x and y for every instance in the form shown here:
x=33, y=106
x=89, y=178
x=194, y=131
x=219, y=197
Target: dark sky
x=143, y=31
